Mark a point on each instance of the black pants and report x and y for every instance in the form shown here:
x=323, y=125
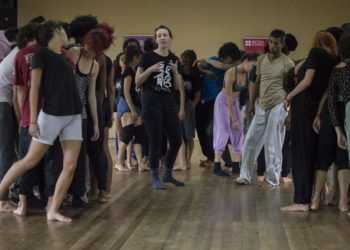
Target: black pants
x=328, y=150
x=145, y=145
x=159, y=111
x=304, y=152
x=26, y=183
x=78, y=187
x=7, y=135
x=204, y=126
x=287, y=157
x=95, y=151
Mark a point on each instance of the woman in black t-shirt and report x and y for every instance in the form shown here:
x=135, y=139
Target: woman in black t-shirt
x=192, y=86
x=129, y=110
x=306, y=102
x=52, y=79
x=159, y=76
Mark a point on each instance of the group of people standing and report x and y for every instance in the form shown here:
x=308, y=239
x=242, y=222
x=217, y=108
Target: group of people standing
x=64, y=98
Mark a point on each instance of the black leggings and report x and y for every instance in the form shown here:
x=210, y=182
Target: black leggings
x=328, y=150
x=204, y=123
x=304, y=153
x=159, y=111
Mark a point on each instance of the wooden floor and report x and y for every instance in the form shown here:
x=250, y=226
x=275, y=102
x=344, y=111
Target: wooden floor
x=208, y=213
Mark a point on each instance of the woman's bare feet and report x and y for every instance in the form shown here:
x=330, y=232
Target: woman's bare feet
x=189, y=165
x=296, y=208
x=6, y=207
x=180, y=167
x=130, y=166
x=286, y=180
x=343, y=205
x=102, y=197
x=315, y=203
x=21, y=209
x=260, y=180
x=55, y=216
x=144, y=168
x=120, y=167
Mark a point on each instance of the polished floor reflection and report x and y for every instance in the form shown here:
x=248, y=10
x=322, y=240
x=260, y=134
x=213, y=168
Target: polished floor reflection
x=208, y=213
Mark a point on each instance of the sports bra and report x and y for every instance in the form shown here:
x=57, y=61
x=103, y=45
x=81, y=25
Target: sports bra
x=235, y=86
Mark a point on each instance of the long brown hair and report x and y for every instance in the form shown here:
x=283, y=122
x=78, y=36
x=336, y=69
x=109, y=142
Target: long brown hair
x=326, y=41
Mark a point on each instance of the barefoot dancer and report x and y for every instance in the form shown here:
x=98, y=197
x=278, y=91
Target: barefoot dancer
x=129, y=110
x=227, y=118
x=60, y=115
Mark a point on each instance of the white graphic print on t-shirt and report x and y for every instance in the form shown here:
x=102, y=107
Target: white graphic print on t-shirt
x=164, y=80
x=188, y=86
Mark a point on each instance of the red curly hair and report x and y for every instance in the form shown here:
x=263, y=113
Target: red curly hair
x=99, y=39
x=326, y=41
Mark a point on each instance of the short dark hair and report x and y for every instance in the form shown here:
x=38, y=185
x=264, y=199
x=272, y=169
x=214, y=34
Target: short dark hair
x=38, y=19
x=149, y=45
x=344, y=46
x=130, y=52
x=190, y=54
x=250, y=57
x=346, y=28
x=127, y=43
x=277, y=33
x=11, y=34
x=230, y=49
x=27, y=34
x=291, y=42
x=336, y=32
x=46, y=32
x=81, y=25
x=163, y=27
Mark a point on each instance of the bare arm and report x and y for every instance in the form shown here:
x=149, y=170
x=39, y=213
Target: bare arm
x=111, y=89
x=304, y=84
x=228, y=81
x=18, y=101
x=142, y=75
x=218, y=64
x=33, y=100
x=101, y=78
x=92, y=94
x=197, y=98
x=253, y=90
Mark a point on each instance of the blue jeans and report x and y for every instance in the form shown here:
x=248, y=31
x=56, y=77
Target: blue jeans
x=7, y=135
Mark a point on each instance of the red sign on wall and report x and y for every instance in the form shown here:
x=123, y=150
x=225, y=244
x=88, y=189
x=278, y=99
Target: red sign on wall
x=253, y=44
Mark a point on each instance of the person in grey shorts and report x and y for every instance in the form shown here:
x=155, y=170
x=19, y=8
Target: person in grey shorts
x=60, y=115
x=192, y=84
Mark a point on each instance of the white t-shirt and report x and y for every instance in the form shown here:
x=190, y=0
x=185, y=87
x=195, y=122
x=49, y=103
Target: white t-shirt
x=7, y=73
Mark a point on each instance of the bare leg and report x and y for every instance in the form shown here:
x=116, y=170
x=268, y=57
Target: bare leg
x=129, y=151
x=190, y=147
x=138, y=152
x=109, y=161
x=71, y=151
x=344, y=181
x=320, y=180
x=119, y=165
x=182, y=158
x=22, y=206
